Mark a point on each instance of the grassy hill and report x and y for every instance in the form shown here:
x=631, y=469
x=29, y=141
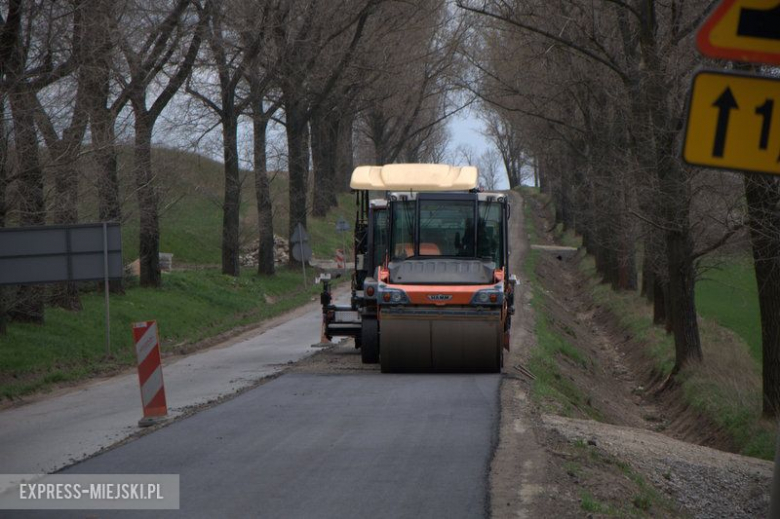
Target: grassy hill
x=193, y=304
x=191, y=212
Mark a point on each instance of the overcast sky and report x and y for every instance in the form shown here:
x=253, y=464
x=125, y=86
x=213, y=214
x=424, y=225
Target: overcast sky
x=467, y=129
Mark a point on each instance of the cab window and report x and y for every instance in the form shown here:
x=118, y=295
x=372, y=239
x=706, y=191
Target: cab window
x=490, y=235
x=447, y=228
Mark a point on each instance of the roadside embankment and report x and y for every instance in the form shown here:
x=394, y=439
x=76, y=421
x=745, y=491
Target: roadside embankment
x=600, y=368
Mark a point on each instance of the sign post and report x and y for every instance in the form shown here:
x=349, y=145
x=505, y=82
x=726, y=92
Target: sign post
x=106, y=289
x=300, y=248
x=342, y=227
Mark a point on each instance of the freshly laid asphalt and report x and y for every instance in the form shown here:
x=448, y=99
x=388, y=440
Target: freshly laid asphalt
x=366, y=446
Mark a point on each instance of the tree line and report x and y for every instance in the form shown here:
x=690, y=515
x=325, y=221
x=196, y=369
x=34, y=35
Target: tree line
x=344, y=78
x=595, y=93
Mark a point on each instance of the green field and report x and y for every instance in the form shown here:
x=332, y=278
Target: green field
x=728, y=295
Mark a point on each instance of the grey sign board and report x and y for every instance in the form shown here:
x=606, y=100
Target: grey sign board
x=299, y=235
x=50, y=254
x=342, y=225
x=301, y=252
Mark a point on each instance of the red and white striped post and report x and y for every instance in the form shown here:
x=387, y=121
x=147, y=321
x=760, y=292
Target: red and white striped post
x=150, y=377
x=340, y=259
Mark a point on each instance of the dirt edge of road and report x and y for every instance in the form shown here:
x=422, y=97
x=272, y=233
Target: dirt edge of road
x=594, y=451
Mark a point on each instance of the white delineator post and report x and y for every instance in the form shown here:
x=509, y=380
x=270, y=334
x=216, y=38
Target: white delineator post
x=150, y=377
x=340, y=264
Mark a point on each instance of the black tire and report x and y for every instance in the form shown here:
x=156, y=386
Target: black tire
x=369, y=347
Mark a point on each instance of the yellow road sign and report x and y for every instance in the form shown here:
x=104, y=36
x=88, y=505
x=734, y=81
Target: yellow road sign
x=742, y=30
x=734, y=122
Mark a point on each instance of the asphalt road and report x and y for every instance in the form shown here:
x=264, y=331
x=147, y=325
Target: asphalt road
x=325, y=446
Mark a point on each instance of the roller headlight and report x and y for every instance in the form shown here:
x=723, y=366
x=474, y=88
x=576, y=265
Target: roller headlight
x=488, y=296
x=393, y=296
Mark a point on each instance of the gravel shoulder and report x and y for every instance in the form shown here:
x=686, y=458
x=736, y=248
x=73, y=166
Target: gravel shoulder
x=705, y=482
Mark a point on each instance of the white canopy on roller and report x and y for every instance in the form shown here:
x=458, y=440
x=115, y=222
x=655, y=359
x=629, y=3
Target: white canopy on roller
x=414, y=177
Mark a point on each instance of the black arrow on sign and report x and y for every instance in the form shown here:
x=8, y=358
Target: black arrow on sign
x=725, y=103
x=759, y=23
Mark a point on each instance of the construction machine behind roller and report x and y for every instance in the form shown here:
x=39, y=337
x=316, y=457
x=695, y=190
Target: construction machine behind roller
x=431, y=289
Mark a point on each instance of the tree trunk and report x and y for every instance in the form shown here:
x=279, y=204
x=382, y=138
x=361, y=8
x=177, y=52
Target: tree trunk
x=298, y=164
x=377, y=127
x=627, y=275
x=102, y=119
x=536, y=172
x=3, y=209
x=265, y=223
x=648, y=277
x=627, y=265
x=763, y=200
x=64, y=154
x=28, y=306
x=544, y=184
x=682, y=282
x=66, y=189
x=345, y=151
x=659, y=301
x=568, y=217
x=676, y=195
x=324, y=151
x=232, y=204
x=148, y=199
x=103, y=142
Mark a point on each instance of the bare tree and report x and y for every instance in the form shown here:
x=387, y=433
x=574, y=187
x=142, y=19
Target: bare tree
x=507, y=139
x=465, y=154
x=101, y=25
x=315, y=50
x=32, y=60
x=263, y=107
x=630, y=57
x=489, y=170
x=235, y=34
x=156, y=37
x=413, y=93
x=63, y=150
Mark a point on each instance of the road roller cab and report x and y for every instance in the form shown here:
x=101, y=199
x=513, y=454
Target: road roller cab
x=431, y=290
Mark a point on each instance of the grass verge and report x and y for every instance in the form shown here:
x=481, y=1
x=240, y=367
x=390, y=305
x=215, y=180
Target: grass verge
x=550, y=387
x=191, y=306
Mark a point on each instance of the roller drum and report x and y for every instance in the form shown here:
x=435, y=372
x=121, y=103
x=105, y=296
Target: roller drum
x=446, y=340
